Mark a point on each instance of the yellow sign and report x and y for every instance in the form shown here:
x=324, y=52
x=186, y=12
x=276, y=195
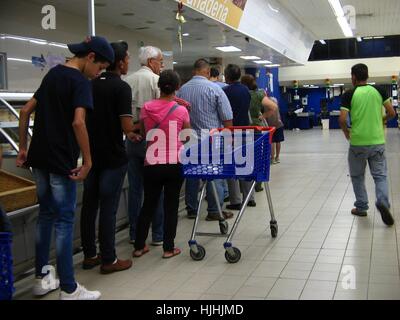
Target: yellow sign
x=226, y=11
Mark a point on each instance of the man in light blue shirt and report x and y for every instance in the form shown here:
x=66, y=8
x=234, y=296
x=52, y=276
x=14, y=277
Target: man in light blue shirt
x=210, y=109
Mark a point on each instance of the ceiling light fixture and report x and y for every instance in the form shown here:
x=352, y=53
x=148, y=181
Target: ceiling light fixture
x=19, y=60
x=263, y=62
x=273, y=65
x=379, y=37
x=228, y=49
x=186, y=34
x=322, y=42
x=359, y=39
x=250, y=58
x=340, y=17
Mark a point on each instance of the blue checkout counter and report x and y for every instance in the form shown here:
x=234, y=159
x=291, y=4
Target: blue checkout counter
x=334, y=120
x=305, y=120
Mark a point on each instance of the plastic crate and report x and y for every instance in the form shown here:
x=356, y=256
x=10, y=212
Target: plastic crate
x=213, y=163
x=6, y=267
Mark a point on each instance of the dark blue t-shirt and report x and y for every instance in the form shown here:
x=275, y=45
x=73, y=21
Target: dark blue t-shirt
x=239, y=98
x=54, y=146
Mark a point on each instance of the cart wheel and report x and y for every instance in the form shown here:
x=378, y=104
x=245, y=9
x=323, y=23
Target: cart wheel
x=199, y=255
x=223, y=227
x=233, y=258
x=274, y=230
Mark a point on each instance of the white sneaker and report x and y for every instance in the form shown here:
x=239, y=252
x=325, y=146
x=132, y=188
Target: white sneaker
x=45, y=285
x=81, y=293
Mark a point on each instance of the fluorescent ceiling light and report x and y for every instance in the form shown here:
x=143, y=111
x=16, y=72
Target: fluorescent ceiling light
x=272, y=65
x=262, y=62
x=16, y=38
x=345, y=27
x=250, y=58
x=337, y=8
x=60, y=45
x=228, y=49
x=339, y=85
x=167, y=53
x=380, y=37
x=19, y=60
x=341, y=19
x=367, y=38
x=359, y=39
x=306, y=86
x=322, y=41
x=186, y=34
x=38, y=42
x=372, y=83
x=174, y=62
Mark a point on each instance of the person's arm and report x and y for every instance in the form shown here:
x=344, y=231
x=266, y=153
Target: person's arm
x=228, y=123
x=82, y=137
x=390, y=112
x=343, y=123
x=24, y=118
x=129, y=129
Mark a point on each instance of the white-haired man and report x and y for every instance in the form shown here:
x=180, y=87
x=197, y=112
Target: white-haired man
x=144, y=84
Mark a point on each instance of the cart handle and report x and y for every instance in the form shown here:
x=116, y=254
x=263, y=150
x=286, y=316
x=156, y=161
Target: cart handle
x=271, y=130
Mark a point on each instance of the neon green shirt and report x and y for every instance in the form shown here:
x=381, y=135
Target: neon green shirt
x=364, y=103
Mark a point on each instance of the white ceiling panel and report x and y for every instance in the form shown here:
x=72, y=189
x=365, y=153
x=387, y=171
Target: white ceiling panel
x=156, y=18
x=373, y=17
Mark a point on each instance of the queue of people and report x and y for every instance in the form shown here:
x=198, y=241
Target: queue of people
x=74, y=116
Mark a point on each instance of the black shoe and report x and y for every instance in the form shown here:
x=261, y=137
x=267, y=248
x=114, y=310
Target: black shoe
x=358, y=212
x=234, y=206
x=251, y=203
x=259, y=189
x=386, y=215
x=226, y=199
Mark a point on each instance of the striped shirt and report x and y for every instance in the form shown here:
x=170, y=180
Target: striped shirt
x=210, y=106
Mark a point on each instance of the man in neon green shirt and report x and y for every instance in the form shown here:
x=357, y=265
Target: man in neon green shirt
x=367, y=140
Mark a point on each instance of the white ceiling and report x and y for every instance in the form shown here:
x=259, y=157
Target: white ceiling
x=373, y=17
x=157, y=17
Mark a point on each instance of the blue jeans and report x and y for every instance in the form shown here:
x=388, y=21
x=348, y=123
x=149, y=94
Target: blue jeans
x=192, y=195
x=102, y=188
x=57, y=203
x=135, y=195
x=375, y=156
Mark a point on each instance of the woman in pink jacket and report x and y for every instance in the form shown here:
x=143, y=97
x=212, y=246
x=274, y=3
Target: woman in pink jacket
x=162, y=120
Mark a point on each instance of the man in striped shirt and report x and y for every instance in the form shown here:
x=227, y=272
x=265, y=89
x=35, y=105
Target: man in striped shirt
x=210, y=109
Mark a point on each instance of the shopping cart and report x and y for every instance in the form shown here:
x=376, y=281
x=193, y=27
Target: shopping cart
x=216, y=159
x=6, y=263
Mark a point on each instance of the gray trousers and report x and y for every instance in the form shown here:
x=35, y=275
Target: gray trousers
x=237, y=188
x=376, y=158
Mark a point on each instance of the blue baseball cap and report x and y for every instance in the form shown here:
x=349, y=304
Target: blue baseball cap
x=95, y=44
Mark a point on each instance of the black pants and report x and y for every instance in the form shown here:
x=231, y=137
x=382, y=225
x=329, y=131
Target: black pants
x=157, y=177
x=101, y=187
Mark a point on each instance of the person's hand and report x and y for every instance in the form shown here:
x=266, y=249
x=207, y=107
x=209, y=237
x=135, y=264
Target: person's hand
x=134, y=137
x=21, y=158
x=80, y=173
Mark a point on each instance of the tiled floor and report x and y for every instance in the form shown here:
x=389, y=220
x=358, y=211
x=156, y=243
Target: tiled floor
x=322, y=252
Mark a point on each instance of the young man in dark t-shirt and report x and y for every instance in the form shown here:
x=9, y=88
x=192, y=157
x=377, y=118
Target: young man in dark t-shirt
x=111, y=117
x=59, y=135
x=240, y=99
x=367, y=140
